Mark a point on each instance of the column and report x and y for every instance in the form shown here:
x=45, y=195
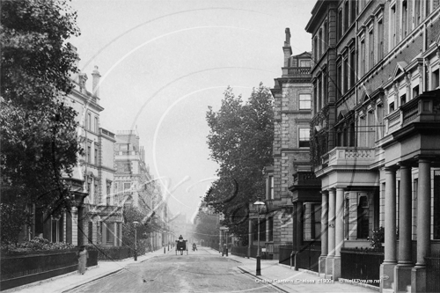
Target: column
x=402, y=271
x=324, y=234
x=331, y=234
x=418, y=275
x=339, y=232
x=74, y=225
x=387, y=267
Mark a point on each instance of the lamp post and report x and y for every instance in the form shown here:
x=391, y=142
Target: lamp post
x=135, y=223
x=258, y=204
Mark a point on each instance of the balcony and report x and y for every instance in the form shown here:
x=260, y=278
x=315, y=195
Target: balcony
x=349, y=156
x=303, y=72
x=305, y=179
x=423, y=109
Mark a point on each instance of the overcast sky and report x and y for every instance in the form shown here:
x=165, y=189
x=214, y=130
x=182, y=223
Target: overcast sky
x=164, y=62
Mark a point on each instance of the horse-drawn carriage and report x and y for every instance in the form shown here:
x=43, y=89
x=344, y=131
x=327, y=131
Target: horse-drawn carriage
x=181, y=245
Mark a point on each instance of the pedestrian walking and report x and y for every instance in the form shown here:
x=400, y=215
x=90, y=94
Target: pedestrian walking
x=83, y=255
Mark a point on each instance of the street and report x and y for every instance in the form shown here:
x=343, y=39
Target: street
x=200, y=271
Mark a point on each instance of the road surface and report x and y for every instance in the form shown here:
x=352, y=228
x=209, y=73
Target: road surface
x=199, y=271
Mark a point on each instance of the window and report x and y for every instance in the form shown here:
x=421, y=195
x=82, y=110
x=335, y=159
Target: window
x=346, y=13
x=315, y=47
x=320, y=44
x=363, y=215
x=339, y=81
x=404, y=19
x=393, y=26
x=95, y=198
x=435, y=79
x=417, y=12
x=345, y=81
x=415, y=91
x=315, y=96
x=353, y=10
x=127, y=186
x=352, y=68
x=96, y=156
x=371, y=62
x=271, y=188
x=362, y=67
x=304, y=137
x=316, y=221
x=339, y=24
x=352, y=132
x=325, y=36
x=304, y=63
x=319, y=91
x=109, y=233
x=391, y=107
x=108, y=192
x=89, y=121
x=402, y=99
x=89, y=154
x=380, y=40
x=96, y=125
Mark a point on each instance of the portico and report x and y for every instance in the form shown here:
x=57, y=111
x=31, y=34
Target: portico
x=412, y=153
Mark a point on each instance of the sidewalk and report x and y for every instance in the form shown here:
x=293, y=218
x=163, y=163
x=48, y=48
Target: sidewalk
x=287, y=279
x=72, y=280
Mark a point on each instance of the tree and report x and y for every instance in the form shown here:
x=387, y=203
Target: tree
x=147, y=224
x=240, y=140
x=39, y=144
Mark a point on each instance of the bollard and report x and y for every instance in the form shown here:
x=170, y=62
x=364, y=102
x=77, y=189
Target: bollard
x=164, y=250
x=226, y=252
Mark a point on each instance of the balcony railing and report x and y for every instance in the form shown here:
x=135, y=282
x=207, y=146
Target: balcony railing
x=349, y=156
x=296, y=71
x=306, y=178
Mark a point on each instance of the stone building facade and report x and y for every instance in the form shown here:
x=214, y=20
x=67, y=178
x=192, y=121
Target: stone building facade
x=94, y=211
x=289, y=200
x=376, y=75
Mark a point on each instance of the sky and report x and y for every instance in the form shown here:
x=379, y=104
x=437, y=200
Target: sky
x=163, y=62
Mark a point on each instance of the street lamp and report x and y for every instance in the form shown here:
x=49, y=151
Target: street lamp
x=258, y=204
x=135, y=223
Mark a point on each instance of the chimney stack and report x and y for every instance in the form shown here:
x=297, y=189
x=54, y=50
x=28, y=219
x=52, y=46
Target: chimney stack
x=286, y=48
x=96, y=78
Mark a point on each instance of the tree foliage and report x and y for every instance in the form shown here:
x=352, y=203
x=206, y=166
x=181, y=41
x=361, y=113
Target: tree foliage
x=240, y=140
x=132, y=214
x=39, y=144
x=207, y=226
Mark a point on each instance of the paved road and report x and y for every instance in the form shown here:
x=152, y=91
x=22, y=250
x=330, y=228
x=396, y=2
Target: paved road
x=200, y=271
